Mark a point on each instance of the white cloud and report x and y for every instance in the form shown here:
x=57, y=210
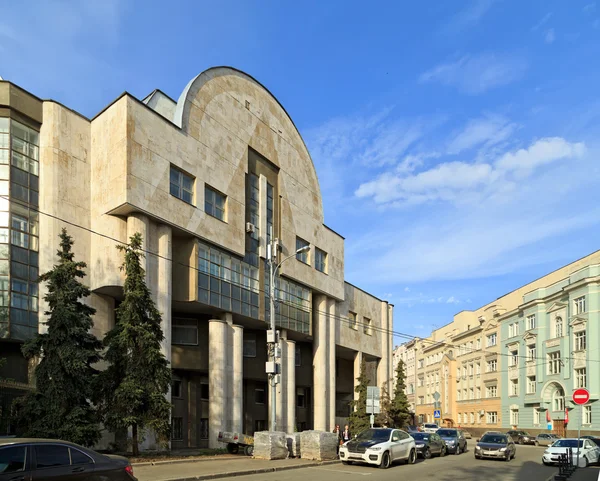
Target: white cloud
x=550, y=36
x=407, y=289
x=542, y=22
x=489, y=130
x=589, y=8
x=477, y=74
x=464, y=182
x=468, y=17
x=452, y=300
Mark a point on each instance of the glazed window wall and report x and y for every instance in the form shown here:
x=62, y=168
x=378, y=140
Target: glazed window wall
x=292, y=306
x=19, y=230
x=227, y=282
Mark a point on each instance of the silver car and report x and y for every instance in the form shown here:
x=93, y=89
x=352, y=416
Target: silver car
x=545, y=439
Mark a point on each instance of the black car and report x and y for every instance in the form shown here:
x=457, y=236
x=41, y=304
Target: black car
x=521, y=437
x=45, y=459
x=429, y=444
x=495, y=446
x=454, y=439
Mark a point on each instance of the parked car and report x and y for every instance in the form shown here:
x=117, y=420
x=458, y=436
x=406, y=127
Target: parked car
x=429, y=444
x=454, y=439
x=411, y=429
x=596, y=441
x=380, y=446
x=496, y=446
x=466, y=434
x=521, y=437
x=430, y=428
x=41, y=459
x=545, y=439
x=588, y=450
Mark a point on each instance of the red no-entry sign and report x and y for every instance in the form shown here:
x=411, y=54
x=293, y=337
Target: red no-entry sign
x=581, y=396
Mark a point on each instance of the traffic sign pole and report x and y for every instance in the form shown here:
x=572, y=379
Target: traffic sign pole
x=581, y=397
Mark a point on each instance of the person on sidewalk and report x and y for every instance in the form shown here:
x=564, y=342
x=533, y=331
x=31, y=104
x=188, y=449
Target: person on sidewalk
x=339, y=436
x=346, y=435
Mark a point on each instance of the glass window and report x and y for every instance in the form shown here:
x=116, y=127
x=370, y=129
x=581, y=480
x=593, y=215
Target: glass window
x=185, y=332
x=353, y=320
x=531, y=385
x=204, y=391
x=554, y=363
x=580, y=341
x=249, y=347
x=259, y=396
x=176, y=388
x=579, y=305
x=182, y=185
x=77, y=457
x=581, y=377
x=12, y=459
x=177, y=429
x=530, y=322
x=51, y=455
x=491, y=340
x=214, y=203
x=298, y=356
x=367, y=326
x=558, y=327
x=302, y=256
x=320, y=260
x=587, y=414
x=531, y=352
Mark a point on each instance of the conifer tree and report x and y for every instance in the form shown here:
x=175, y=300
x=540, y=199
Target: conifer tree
x=60, y=406
x=359, y=419
x=400, y=410
x=384, y=418
x=134, y=385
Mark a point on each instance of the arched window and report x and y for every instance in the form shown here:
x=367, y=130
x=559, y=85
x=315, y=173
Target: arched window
x=558, y=400
x=558, y=327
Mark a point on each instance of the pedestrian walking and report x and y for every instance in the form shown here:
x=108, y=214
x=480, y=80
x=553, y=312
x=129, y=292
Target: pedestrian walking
x=346, y=435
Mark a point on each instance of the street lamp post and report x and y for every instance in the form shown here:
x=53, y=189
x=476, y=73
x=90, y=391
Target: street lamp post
x=272, y=338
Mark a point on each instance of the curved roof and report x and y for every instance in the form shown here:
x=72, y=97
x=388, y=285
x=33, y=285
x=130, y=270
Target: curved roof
x=180, y=115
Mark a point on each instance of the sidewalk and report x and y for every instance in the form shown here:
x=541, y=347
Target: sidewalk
x=217, y=468
x=590, y=473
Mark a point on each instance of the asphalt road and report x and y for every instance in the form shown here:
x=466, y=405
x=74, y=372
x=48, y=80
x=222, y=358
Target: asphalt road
x=527, y=466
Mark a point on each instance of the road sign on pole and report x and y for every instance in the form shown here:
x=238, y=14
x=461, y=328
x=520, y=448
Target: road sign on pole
x=373, y=395
x=436, y=396
x=580, y=396
x=437, y=414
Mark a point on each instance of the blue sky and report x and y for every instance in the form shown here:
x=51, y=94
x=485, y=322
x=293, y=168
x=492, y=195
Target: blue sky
x=456, y=142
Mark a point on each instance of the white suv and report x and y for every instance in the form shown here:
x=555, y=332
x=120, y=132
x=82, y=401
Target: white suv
x=380, y=446
x=430, y=428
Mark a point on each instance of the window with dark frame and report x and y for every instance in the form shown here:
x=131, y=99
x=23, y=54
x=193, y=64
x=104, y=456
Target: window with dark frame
x=321, y=260
x=184, y=332
x=259, y=396
x=249, y=347
x=214, y=203
x=204, y=391
x=177, y=429
x=301, y=397
x=176, y=388
x=298, y=356
x=181, y=185
x=302, y=256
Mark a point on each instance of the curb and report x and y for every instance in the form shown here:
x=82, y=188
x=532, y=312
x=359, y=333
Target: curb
x=184, y=460
x=232, y=474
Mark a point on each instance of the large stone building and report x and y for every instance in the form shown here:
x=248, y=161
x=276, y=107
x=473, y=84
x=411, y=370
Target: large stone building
x=515, y=362
x=405, y=352
x=208, y=180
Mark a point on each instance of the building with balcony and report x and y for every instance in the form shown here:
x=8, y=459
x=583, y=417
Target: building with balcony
x=550, y=344
x=208, y=180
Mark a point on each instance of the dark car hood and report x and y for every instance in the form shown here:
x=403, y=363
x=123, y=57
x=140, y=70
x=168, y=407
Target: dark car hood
x=491, y=445
x=449, y=438
x=362, y=444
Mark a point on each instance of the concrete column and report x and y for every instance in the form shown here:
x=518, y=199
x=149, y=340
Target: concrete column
x=320, y=363
x=282, y=386
x=332, y=323
x=217, y=380
x=140, y=223
x=291, y=386
x=164, y=284
x=237, y=391
x=192, y=414
x=383, y=374
x=357, y=362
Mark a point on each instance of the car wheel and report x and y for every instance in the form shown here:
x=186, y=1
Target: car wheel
x=535, y=443
x=457, y=452
x=443, y=451
x=233, y=448
x=249, y=450
x=465, y=448
x=507, y=459
x=385, y=461
x=586, y=463
x=412, y=457
x=426, y=453
x=476, y=457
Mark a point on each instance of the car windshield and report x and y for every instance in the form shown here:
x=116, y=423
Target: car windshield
x=374, y=435
x=493, y=439
x=567, y=443
x=434, y=426
x=449, y=433
x=523, y=433
x=420, y=437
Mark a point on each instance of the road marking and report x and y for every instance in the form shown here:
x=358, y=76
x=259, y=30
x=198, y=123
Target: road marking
x=347, y=472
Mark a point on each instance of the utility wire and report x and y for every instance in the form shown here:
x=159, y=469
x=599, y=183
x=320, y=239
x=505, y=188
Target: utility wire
x=340, y=318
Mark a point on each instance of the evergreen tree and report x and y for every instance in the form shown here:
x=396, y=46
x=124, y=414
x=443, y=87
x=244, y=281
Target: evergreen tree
x=134, y=385
x=359, y=419
x=400, y=411
x=60, y=406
